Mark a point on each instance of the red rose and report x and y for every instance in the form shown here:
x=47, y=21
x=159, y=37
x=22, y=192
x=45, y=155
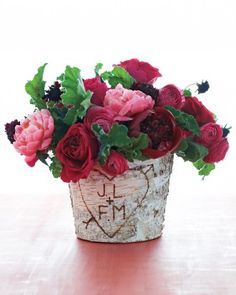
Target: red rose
x=217, y=151
x=101, y=116
x=170, y=95
x=77, y=151
x=211, y=133
x=160, y=126
x=141, y=71
x=195, y=108
x=98, y=88
x=116, y=164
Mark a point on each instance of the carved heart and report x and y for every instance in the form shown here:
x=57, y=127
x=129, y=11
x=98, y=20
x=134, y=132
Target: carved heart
x=111, y=201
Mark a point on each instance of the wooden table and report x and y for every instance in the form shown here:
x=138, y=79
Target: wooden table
x=39, y=253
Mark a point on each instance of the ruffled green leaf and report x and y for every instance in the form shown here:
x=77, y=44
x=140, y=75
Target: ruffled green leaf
x=36, y=88
x=204, y=168
x=118, y=76
x=55, y=167
x=97, y=68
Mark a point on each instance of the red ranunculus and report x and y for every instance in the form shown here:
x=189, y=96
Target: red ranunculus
x=101, y=116
x=211, y=133
x=98, y=88
x=116, y=164
x=160, y=126
x=141, y=71
x=77, y=152
x=170, y=95
x=217, y=151
x=195, y=108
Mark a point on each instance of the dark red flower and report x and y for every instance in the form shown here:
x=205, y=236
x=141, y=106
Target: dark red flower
x=101, y=116
x=217, y=151
x=195, y=108
x=160, y=126
x=77, y=152
x=116, y=164
x=141, y=71
x=10, y=130
x=98, y=88
x=211, y=133
x=170, y=95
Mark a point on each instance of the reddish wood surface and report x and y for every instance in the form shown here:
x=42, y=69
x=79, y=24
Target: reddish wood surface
x=39, y=253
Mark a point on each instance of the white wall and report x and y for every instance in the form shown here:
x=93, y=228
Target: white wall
x=187, y=40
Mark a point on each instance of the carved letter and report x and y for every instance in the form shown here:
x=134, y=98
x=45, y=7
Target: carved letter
x=118, y=209
x=103, y=193
x=101, y=212
x=114, y=192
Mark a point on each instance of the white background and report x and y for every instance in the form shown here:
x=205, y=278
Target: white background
x=187, y=40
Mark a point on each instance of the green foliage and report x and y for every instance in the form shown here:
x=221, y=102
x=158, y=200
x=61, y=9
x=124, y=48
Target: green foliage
x=97, y=68
x=35, y=88
x=55, y=167
x=74, y=95
x=185, y=120
x=118, y=75
x=191, y=151
x=187, y=92
x=42, y=157
x=204, y=168
x=133, y=151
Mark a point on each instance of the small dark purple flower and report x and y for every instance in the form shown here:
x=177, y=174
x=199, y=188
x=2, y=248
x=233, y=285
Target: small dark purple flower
x=203, y=87
x=54, y=92
x=148, y=89
x=10, y=130
x=226, y=131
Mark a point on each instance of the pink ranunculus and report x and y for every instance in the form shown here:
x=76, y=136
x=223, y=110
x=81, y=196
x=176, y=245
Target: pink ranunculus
x=170, y=95
x=116, y=164
x=101, y=116
x=211, y=133
x=98, y=88
x=34, y=134
x=126, y=102
x=141, y=71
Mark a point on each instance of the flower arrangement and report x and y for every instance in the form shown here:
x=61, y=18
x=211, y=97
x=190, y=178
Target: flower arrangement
x=114, y=118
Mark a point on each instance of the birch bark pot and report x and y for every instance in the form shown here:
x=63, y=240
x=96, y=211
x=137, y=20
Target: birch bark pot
x=122, y=209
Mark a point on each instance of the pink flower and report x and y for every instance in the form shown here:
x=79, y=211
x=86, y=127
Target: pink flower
x=116, y=164
x=141, y=71
x=126, y=102
x=34, y=134
x=170, y=95
x=98, y=88
x=101, y=116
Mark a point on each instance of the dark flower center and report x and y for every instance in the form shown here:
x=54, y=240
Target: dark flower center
x=158, y=129
x=147, y=89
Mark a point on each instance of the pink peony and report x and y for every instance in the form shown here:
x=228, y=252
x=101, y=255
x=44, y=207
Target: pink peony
x=170, y=95
x=34, y=134
x=126, y=102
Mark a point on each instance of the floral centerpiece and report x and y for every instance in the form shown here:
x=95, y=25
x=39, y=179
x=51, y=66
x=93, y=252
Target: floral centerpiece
x=117, y=117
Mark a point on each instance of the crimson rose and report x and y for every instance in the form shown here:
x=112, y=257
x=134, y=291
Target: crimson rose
x=77, y=151
x=141, y=71
x=217, y=151
x=116, y=164
x=98, y=88
x=195, y=108
x=170, y=95
x=160, y=126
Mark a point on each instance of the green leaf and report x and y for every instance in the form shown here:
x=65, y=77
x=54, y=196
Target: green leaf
x=117, y=137
x=55, y=167
x=187, y=92
x=134, y=149
x=193, y=152
x=35, y=88
x=182, y=146
x=118, y=75
x=74, y=94
x=185, y=120
x=203, y=167
x=42, y=157
x=97, y=69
